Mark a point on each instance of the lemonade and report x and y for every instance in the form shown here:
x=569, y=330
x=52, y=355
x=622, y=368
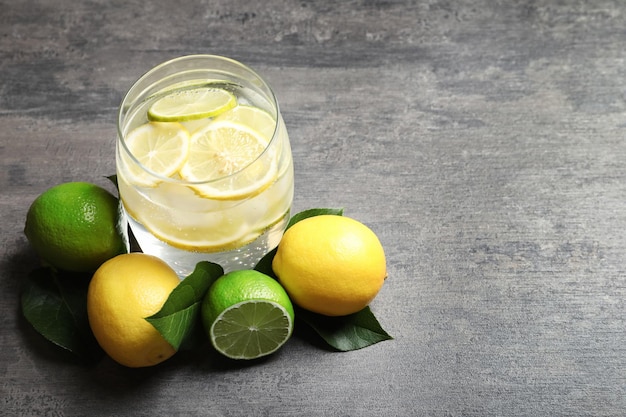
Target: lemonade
x=204, y=164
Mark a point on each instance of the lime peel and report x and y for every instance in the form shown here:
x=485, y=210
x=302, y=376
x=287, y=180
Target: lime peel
x=191, y=104
x=247, y=315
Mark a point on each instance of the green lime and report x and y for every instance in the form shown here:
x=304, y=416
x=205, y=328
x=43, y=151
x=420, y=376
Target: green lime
x=247, y=315
x=73, y=226
x=191, y=104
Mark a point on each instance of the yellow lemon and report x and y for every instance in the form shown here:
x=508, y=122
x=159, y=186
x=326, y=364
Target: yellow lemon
x=331, y=265
x=122, y=293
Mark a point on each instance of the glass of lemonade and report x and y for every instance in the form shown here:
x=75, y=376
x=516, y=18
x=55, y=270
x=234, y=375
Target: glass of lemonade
x=204, y=165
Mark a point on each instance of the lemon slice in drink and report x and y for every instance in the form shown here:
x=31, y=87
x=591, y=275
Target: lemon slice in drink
x=191, y=104
x=257, y=119
x=230, y=160
x=200, y=233
x=161, y=148
x=264, y=123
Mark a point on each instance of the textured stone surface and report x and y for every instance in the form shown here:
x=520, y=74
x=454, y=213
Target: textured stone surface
x=483, y=141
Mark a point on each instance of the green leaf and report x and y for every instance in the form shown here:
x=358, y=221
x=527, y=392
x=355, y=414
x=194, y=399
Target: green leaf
x=265, y=264
x=113, y=179
x=179, y=318
x=345, y=333
x=55, y=304
x=313, y=212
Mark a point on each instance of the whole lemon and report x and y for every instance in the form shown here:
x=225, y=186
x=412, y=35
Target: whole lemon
x=122, y=293
x=331, y=265
x=73, y=226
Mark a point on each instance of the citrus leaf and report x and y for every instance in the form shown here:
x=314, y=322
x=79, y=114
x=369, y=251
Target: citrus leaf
x=55, y=304
x=265, y=264
x=113, y=179
x=345, y=333
x=313, y=212
x=178, y=320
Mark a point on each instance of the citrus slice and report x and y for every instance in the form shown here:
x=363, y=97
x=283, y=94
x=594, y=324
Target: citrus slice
x=215, y=234
x=264, y=123
x=251, y=329
x=161, y=148
x=191, y=104
x=247, y=314
x=230, y=161
x=255, y=118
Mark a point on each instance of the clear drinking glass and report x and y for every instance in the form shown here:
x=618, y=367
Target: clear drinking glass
x=232, y=217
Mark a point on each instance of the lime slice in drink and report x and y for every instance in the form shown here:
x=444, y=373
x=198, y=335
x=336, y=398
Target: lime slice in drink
x=230, y=160
x=191, y=104
x=161, y=148
x=247, y=315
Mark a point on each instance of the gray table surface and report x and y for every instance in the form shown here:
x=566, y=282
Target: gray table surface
x=483, y=141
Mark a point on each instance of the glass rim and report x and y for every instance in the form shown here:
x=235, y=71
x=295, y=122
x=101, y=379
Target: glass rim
x=126, y=104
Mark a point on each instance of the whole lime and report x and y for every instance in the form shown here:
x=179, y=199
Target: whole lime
x=247, y=314
x=73, y=226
